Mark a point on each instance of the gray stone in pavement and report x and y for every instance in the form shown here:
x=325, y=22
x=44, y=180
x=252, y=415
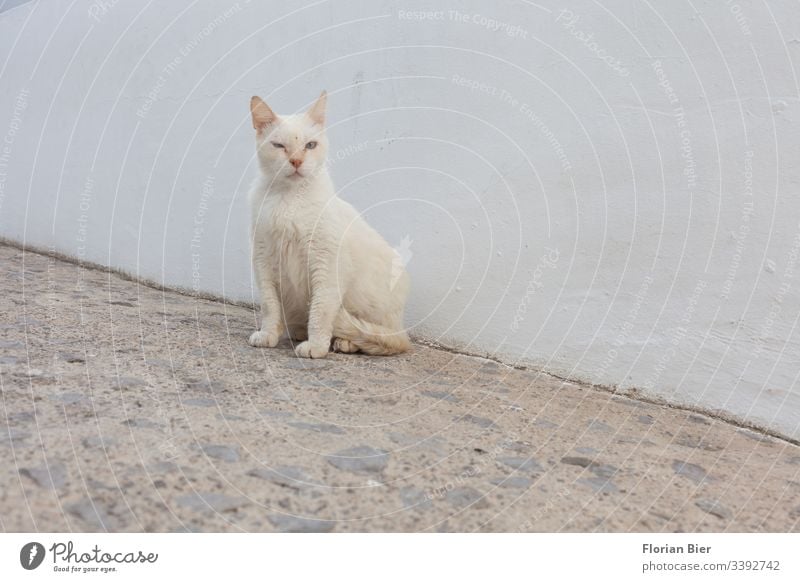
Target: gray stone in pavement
x=698, y=442
x=466, y=497
x=95, y=441
x=715, y=508
x=513, y=482
x=318, y=427
x=50, y=476
x=21, y=417
x=206, y=386
x=481, y=421
x=599, y=425
x=201, y=402
x=285, y=476
x=211, y=502
x=439, y=395
x=226, y=453
x=93, y=514
x=142, y=423
x=14, y=436
x=691, y=471
x=127, y=382
x=69, y=398
x=414, y=498
x=756, y=436
x=11, y=345
x=294, y=524
x=361, y=459
x=527, y=465
x=601, y=470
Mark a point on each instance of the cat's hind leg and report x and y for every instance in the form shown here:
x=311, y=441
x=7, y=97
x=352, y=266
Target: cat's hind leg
x=344, y=346
x=371, y=338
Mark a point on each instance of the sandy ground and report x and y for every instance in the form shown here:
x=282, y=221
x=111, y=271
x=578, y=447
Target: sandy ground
x=125, y=408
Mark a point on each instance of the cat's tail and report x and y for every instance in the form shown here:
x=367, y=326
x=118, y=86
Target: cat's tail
x=371, y=338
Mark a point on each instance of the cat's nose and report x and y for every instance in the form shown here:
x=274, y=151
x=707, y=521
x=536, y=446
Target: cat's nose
x=296, y=163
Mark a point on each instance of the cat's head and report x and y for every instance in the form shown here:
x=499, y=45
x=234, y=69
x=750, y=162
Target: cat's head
x=290, y=147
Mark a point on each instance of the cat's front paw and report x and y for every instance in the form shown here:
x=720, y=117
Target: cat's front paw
x=264, y=339
x=308, y=349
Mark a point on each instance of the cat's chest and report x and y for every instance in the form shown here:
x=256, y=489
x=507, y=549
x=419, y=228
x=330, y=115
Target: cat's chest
x=286, y=234
x=276, y=220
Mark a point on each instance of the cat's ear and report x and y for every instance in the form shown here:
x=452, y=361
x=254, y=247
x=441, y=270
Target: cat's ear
x=262, y=114
x=317, y=111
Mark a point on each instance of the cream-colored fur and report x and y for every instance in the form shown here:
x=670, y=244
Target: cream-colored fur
x=325, y=276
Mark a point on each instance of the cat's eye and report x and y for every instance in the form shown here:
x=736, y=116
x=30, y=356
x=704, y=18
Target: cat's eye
x=278, y=145
x=311, y=145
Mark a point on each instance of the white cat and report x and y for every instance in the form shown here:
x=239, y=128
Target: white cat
x=325, y=276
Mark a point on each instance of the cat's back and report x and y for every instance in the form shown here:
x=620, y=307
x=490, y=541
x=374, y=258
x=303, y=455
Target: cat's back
x=355, y=226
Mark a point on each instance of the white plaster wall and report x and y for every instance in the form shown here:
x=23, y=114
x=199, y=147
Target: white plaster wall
x=609, y=193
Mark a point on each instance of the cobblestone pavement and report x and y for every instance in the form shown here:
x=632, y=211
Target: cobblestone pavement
x=125, y=408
